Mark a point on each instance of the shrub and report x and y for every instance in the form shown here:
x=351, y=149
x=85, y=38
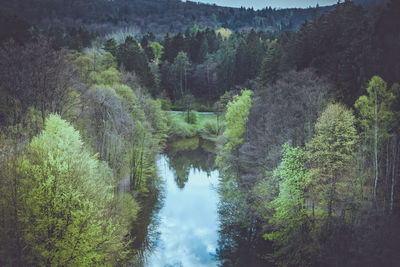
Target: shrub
x=180, y=128
x=191, y=117
x=209, y=127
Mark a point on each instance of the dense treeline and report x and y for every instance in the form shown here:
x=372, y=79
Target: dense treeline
x=330, y=196
x=309, y=154
x=60, y=197
x=158, y=17
x=347, y=45
x=310, y=163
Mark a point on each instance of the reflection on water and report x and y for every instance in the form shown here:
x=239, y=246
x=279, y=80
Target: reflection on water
x=188, y=220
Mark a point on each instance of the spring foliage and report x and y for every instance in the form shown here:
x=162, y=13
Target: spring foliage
x=235, y=119
x=65, y=202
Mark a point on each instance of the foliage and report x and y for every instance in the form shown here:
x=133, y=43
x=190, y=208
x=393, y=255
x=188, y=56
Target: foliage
x=290, y=220
x=331, y=200
x=376, y=117
x=192, y=117
x=179, y=70
x=235, y=119
x=65, y=202
x=180, y=128
x=271, y=67
x=210, y=127
x=133, y=58
x=111, y=46
x=36, y=75
x=330, y=154
x=225, y=33
x=158, y=50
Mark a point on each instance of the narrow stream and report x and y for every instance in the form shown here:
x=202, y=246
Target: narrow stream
x=188, y=220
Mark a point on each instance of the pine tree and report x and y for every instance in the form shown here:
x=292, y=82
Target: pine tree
x=111, y=46
x=271, y=64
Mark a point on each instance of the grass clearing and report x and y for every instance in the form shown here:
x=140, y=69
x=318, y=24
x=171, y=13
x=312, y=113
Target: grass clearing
x=207, y=125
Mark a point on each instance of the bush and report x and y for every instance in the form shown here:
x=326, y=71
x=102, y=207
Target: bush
x=192, y=118
x=204, y=108
x=180, y=128
x=209, y=127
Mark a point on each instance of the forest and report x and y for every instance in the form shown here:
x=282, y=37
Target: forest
x=297, y=109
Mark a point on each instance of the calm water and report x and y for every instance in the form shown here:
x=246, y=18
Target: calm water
x=188, y=221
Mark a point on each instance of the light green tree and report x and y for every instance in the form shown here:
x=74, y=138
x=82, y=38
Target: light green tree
x=158, y=50
x=329, y=155
x=290, y=220
x=67, y=216
x=179, y=70
x=236, y=117
x=376, y=117
x=107, y=77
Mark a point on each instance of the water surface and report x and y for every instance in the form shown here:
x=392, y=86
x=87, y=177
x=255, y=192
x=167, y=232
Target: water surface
x=188, y=220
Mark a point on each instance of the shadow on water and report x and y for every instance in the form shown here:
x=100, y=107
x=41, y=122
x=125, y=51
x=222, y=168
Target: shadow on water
x=145, y=228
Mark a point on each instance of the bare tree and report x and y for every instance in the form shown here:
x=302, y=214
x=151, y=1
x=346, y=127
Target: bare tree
x=37, y=75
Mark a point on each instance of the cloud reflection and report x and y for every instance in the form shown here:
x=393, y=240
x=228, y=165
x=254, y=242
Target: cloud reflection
x=189, y=221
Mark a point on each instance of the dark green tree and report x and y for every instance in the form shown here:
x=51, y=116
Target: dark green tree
x=111, y=46
x=133, y=58
x=271, y=65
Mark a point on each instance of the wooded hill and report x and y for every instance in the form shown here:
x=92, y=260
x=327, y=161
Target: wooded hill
x=158, y=16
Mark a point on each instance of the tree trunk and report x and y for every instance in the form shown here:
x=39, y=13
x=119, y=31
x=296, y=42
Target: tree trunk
x=393, y=172
x=181, y=82
x=376, y=144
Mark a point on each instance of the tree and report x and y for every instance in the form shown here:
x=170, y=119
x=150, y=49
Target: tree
x=282, y=112
x=337, y=44
x=188, y=102
x=173, y=47
x=108, y=124
x=133, y=58
x=290, y=220
x=203, y=49
x=180, y=72
x=235, y=119
x=255, y=53
x=15, y=28
x=36, y=75
x=242, y=62
x=226, y=65
x=270, y=67
x=329, y=156
x=66, y=213
x=158, y=51
x=111, y=46
x=376, y=117
x=144, y=43
x=384, y=38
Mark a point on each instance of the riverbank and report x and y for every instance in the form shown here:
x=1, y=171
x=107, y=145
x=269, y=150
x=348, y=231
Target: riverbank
x=206, y=125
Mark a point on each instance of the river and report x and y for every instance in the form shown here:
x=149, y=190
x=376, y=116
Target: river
x=188, y=224
x=188, y=220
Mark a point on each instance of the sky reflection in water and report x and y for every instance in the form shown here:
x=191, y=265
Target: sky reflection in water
x=188, y=220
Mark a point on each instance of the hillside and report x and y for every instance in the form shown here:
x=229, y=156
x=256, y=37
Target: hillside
x=162, y=133
x=157, y=16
